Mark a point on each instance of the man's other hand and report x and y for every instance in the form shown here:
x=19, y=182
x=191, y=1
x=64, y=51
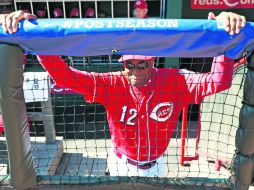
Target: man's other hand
x=10, y=21
x=233, y=22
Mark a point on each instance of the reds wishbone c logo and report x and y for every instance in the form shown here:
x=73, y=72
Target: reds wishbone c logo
x=231, y=3
x=162, y=111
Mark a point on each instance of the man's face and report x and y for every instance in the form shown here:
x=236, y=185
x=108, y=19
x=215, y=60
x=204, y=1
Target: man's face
x=138, y=72
x=140, y=13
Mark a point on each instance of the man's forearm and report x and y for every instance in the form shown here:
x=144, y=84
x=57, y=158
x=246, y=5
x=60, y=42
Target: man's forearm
x=62, y=74
x=222, y=72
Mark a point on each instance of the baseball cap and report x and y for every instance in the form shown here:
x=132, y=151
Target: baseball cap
x=135, y=57
x=90, y=12
x=41, y=13
x=141, y=4
x=74, y=12
x=58, y=12
x=26, y=10
x=6, y=10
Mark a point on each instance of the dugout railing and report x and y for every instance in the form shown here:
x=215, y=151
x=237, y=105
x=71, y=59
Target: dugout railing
x=92, y=169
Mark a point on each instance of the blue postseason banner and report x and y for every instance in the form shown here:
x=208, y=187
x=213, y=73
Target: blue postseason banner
x=157, y=37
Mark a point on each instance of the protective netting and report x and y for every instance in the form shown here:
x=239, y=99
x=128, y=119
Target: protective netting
x=219, y=110
x=83, y=148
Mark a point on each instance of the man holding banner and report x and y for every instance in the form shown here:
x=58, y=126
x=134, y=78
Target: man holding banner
x=143, y=103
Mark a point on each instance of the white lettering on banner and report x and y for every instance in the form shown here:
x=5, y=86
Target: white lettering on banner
x=78, y=24
x=151, y=24
x=127, y=23
x=88, y=24
x=99, y=23
x=141, y=23
x=109, y=23
x=67, y=24
x=119, y=24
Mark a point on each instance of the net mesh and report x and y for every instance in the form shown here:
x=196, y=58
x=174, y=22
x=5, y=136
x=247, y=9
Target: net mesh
x=83, y=145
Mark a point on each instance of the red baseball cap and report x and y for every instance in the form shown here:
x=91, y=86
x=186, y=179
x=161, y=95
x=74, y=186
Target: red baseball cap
x=74, y=12
x=141, y=4
x=58, y=12
x=41, y=13
x=90, y=12
x=135, y=57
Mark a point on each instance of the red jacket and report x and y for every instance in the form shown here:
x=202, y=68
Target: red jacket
x=141, y=128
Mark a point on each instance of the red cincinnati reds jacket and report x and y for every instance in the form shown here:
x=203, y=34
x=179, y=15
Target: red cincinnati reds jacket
x=141, y=126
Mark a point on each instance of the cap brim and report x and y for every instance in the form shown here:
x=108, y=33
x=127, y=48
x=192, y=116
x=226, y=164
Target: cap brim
x=135, y=57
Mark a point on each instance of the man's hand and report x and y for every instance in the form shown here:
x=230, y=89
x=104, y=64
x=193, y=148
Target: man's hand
x=233, y=22
x=10, y=21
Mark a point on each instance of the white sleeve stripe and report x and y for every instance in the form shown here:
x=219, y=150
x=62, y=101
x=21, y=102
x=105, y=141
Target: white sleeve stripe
x=185, y=71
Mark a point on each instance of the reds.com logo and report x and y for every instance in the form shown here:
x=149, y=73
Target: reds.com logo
x=162, y=111
x=225, y=4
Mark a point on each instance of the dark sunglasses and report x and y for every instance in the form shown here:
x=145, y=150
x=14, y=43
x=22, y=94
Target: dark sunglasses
x=140, y=66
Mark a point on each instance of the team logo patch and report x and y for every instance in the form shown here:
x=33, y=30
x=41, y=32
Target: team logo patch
x=162, y=111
